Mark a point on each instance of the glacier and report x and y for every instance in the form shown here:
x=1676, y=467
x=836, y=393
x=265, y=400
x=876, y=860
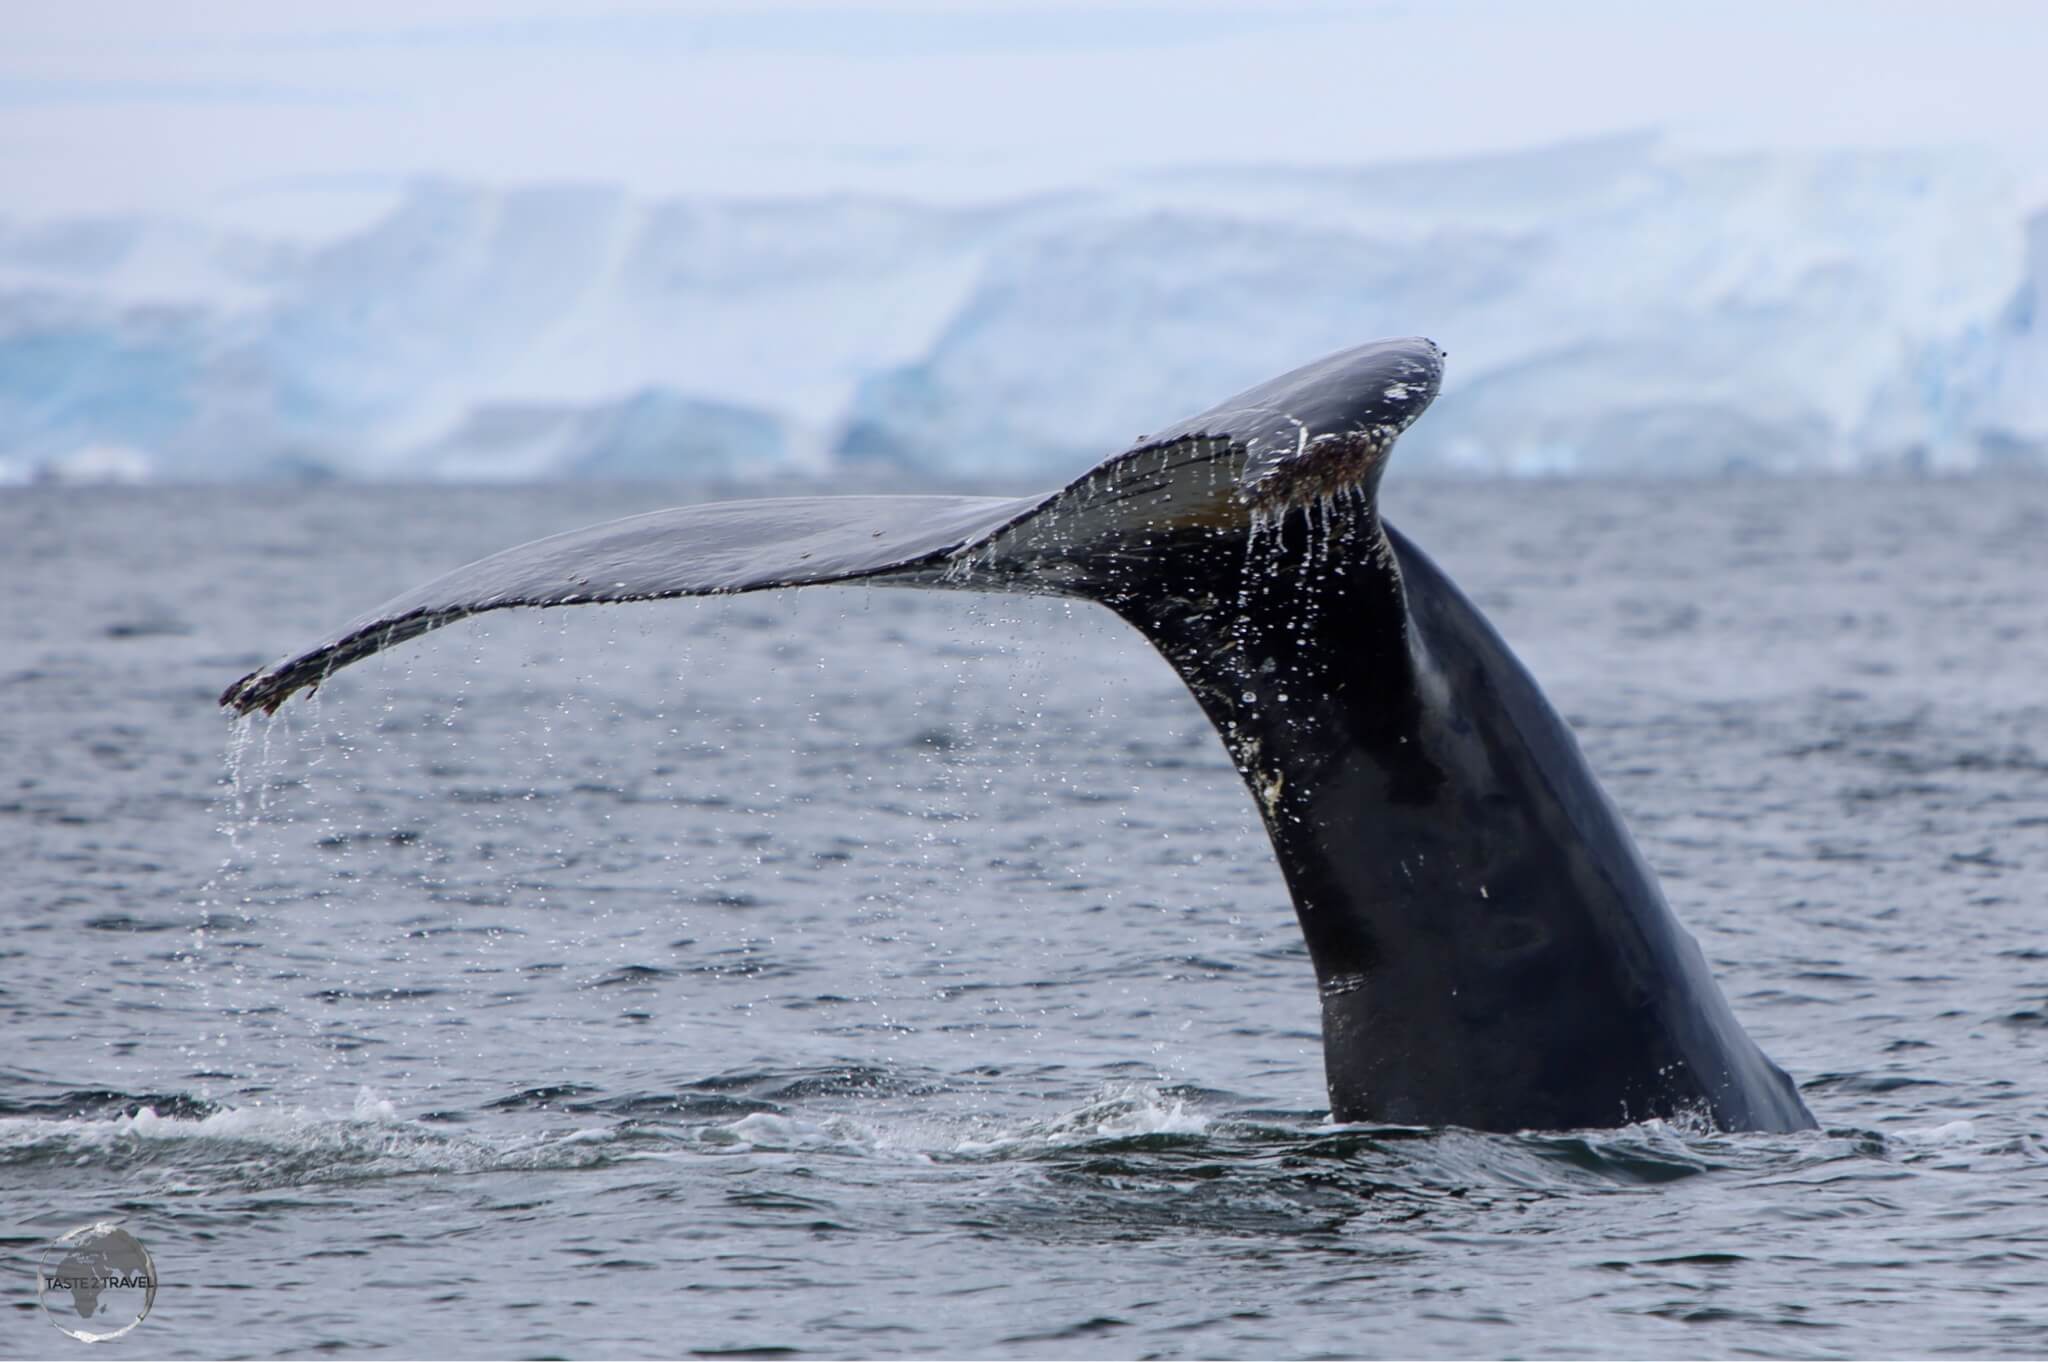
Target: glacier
x=1611, y=306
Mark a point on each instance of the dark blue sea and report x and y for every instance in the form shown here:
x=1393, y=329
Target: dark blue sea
x=868, y=972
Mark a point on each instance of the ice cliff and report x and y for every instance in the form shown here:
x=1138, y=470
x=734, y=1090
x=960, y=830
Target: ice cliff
x=1608, y=306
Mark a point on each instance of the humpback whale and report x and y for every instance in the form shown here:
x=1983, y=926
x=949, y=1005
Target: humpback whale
x=1490, y=948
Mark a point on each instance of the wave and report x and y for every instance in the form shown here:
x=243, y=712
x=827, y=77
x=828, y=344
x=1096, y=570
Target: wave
x=286, y=1146
x=1123, y=1132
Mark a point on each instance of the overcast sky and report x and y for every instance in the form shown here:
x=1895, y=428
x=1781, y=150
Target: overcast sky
x=302, y=115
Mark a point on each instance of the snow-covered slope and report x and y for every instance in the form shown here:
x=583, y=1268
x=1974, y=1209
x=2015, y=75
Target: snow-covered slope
x=1607, y=306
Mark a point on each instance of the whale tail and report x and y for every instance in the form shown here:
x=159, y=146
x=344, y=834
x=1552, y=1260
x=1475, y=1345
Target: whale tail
x=1490, y=948
x=1326, y=425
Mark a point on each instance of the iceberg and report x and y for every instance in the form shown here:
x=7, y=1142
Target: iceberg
x=1612, y=306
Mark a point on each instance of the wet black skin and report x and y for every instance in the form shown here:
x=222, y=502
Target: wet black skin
x=1491, y=950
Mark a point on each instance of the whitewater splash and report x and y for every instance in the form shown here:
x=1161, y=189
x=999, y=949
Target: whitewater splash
x=286, y=1145
x=256, y=1146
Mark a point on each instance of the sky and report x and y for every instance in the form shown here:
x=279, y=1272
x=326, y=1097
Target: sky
x=306, y=117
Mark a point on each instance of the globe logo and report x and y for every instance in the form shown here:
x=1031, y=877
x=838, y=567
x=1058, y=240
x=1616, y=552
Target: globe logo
x=97, y=1282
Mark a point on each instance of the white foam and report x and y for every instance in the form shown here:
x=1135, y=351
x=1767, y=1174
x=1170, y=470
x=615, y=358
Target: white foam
x=771, y=1130
x=1947, y=1135
x=293, y=1145
x=1122, y=1112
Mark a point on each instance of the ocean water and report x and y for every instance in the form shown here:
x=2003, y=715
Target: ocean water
x=858, y=971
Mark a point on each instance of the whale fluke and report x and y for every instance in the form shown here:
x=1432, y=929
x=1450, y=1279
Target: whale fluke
x=1490, y=948
x=687, y=551
x=1226, y=466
